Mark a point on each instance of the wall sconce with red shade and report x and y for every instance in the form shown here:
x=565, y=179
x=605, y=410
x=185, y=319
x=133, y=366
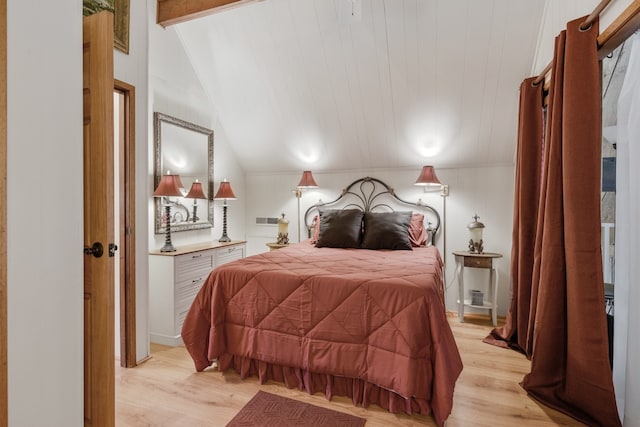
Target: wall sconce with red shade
x=428, y=177
x=305, y=183
x=169, y=185
x=224, y=193
x=195, y=193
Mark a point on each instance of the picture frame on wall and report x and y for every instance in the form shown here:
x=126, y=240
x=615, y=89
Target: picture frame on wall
x=120, y=10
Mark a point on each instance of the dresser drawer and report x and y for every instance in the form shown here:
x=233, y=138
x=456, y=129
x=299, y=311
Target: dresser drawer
x=188, y=289
x=185, y=293
x=180, y=315
x=231, y=253
x=477, y=262
x=181, y=308
x=190, y=266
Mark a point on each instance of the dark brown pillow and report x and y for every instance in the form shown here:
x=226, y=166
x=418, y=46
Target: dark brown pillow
x=386, y=230
x=340, y=228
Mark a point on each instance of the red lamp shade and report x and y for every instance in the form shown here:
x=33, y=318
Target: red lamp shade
x=225, y=191
x=195, y=192
x=427, y=177
x=170, y=185
x=307, y=180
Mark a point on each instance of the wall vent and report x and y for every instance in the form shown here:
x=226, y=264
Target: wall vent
x=266, y=220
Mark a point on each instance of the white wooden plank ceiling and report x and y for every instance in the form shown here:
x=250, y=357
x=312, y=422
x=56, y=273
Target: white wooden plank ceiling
x=357, y=84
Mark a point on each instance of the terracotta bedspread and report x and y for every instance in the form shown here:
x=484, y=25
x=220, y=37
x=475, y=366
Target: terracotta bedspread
x=366, y=324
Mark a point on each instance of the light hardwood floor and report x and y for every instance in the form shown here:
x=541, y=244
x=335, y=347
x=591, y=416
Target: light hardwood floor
x=166, y=391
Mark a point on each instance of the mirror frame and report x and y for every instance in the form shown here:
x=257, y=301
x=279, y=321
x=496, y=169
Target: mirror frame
x=158, y=120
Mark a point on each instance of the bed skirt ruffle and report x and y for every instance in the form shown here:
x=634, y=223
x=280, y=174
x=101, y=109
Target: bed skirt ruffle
x=362, y=393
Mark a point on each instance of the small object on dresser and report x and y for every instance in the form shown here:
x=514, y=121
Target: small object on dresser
x=283, y=230
x=475, y=236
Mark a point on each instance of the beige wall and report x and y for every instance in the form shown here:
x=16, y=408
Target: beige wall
x=44, y=214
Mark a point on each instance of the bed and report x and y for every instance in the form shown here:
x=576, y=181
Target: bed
x=325, y=317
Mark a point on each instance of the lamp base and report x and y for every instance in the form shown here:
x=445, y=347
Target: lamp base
x=168, y=248
x=195, y=209
x=476, y=247
x=283, y=238
x=224, y=237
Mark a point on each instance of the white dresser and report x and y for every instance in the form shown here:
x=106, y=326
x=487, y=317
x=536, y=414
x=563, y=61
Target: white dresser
x=174, y=280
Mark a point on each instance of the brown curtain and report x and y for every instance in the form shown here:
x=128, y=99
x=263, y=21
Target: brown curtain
x=515, y=333
x=566, y=331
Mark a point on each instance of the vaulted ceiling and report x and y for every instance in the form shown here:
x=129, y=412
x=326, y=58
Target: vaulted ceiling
x=344, y=84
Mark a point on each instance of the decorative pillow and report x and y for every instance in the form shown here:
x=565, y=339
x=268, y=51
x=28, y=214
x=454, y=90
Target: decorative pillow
x=386, y=230
x=417, y=232
x=315, y=227
x=340, y=228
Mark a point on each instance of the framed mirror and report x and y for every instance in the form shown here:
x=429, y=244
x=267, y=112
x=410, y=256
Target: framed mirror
x=185, y=149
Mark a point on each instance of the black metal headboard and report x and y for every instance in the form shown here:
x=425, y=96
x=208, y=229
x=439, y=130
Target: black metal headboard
x=369, y=194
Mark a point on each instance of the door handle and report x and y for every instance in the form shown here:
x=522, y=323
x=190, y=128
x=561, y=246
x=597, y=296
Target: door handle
x=96, y=250
x=112, y=249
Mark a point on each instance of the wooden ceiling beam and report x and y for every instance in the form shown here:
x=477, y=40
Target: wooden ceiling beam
x=175, y=11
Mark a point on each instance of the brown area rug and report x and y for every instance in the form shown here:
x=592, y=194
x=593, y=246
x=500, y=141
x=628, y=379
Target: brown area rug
x=267, y=410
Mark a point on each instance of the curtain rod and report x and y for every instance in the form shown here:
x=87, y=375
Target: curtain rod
x=596, y=12
x=585, y=24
